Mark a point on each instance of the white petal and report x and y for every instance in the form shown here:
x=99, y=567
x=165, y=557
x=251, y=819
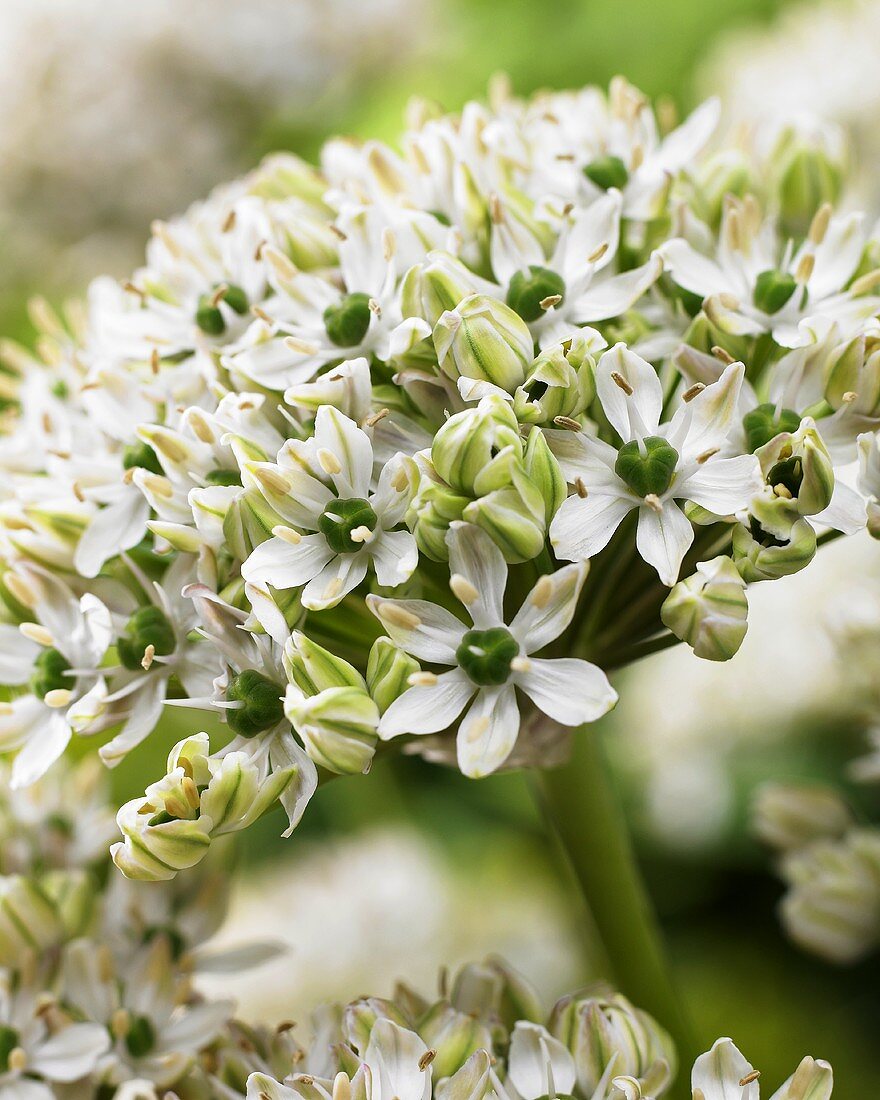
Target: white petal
x=17, y=655
x=146, y=709
x=635, y=414
x=549, y=607
x=538, y=1064
x=395, y=556
x=682, y=145
x=428, y=709
x=394, y=1057
x=474, y=556
x=581, y=456
x=513, y=248
x=583, y=527
x=723, y=485
x=116, y=527
x=71, y=1053
x=663, y=538
x=44, y=745
x=597, y=225
x=568, y=690
x=693, y=271
x=838, y=256
x=339, y=576
x=337, y=433
x=718, y=1074
x=27, y=716
x=845, y=513
x=433, y=635
x=705, y=422
x=284, y=752
x=610, y=297
x=284, y=565
x=488, y=732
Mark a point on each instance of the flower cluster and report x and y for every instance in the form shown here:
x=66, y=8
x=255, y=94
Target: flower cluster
x=416, y=446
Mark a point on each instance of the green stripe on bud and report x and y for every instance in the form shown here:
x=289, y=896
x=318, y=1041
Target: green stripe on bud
x=484, y=339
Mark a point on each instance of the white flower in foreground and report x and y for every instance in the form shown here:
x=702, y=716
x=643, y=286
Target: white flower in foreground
x=724, y=1074
x=656, y=465
x=490, y=659
x=756, y=283
x=324, y=487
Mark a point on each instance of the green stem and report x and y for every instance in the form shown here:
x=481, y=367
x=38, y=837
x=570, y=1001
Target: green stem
x=582, y=810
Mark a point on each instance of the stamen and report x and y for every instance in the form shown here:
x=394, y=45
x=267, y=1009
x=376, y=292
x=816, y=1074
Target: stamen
x=542, y=593
x=337, y=232
x=159, y=486
x=521, y=664
x=426, y=1059
x=175, y=807
x=580, y=488
x=58, y=698
x=201, y=428
x=849, y=397
x=567, y=422
x=654, y=502
x=191, y=792
x=695, y=390
x=550, y=301
x=399, y=616
x=17, y=1060
x=333, y=589
x=341, y=1087
x=621, y=383
x=597, y=255
x=389, y=244
x=147, y=659
x=463, y=590
x=729, y=301
x=362, y=534
x=35, y=632
x=866, y=282
x=805, y=268
x=155, y=361
x=722, y=354
x=819, y=224
x=496, y=212
x=287, y=534
x=20, y=589
x=229, y=221
x=120, y=1023
x=374, y=307
x=400, y=481
x=421, y=679
x=271, y=479
x=376, y=417
x=330, y=464
x=219, y=294
x=301, y=347
x=706, y=455
x=749, y=1077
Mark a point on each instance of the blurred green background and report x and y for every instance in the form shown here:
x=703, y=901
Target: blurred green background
x=713, y=885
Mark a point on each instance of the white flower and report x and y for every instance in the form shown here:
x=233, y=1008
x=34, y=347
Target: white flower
x=490, y=660
x=656, y=466
x=724, y=1074
x=755, y=283
x=324, y=487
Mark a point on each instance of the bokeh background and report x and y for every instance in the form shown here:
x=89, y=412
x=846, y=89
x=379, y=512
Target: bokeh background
x=114, y=113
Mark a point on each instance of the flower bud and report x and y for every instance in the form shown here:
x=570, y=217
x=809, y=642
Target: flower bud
x=560, y=382
x=431, y=289
x=360, y=1017
x=514, y=518
x=248, y=522
x=761, y=555
x=29, y=919
x=788, y=817
x=709, y=610
x=492, y=989
x=598, y=1028
x=314, y=669
x=542, y=471
x=484, y=339
x=388, y=672
x=454, y=1035
x=727, y=172
x=465, y=447
x=808, y=176
x=797, y=467
x=337, y=726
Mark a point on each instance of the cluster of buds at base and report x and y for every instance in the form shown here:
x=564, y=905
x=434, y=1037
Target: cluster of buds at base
x=201, y=797
x=483, y=471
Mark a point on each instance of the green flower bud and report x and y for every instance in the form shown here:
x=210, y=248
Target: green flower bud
x=147, y=627
x=762, y=556
x=484, y=339
x=542, y=470
x=337, y=726
x=492, y=990
x=248, y=522
x=560, y=383
x=709, y=610
x=809, y=179
x=647, y=465
x=764, y=423
x=455, y=1036
x=727, y=172
x=436, y=506
x=529, y=288
x=773, y=289
x=48, y=675
x=341, y=518
x=141, y=456
x=359, y=1018
x=347, y=323
x=428, y=290
x=598, y=1028
x=852, y=369
x=261, y=697
x=788, y=817
x=798, y=467
x=607, y=171
x=314, y=669
x=485, y=655
x=466, y=445
x=29, y=920
x=388, y=672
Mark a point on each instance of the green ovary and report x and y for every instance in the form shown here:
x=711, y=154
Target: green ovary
x=341, y=518
x=647, y=466
x=486, y=655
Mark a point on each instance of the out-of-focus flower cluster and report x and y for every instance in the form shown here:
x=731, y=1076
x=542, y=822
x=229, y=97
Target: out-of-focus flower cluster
x=97, y=998
x=416, y=446
x=98, y=97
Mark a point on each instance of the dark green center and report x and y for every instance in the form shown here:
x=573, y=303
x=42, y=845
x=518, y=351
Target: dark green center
x=647, y=466
x=773, y=289
x=141, y=1037
x=141, y=456
x=262, y=708
x=788, y=473
x=529, y=288
x=147, y=626
x=209, y=316
x=48, y=674
x=485, y=655
x=607, y=171
x=340, y=518
x=763, y=424
x=9, y=1040
x=348, y=322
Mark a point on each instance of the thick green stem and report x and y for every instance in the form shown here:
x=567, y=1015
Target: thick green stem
x=582, y=809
